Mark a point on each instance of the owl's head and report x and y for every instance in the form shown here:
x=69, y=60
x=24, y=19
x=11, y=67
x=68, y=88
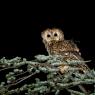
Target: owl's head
x=53, y=34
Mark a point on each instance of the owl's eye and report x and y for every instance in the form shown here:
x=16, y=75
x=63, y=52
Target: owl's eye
x=48, y=35
x=55, y=34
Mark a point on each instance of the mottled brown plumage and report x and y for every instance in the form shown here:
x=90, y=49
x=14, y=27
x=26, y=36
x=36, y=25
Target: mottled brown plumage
x=59, y=47
x=56, y=45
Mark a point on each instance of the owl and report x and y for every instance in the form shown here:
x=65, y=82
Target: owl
x=56, y=44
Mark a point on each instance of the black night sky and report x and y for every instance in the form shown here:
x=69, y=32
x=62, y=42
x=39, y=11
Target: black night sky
x=20, y=32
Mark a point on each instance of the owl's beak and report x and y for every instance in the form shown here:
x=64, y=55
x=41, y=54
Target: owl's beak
x=52, y=39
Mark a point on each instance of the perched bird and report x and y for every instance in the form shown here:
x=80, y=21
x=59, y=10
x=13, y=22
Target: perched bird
x=56, y=44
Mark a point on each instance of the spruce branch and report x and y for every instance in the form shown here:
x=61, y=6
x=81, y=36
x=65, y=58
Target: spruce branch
x=42, y=76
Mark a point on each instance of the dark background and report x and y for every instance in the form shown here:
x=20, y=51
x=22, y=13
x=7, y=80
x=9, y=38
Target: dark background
x=20, y=31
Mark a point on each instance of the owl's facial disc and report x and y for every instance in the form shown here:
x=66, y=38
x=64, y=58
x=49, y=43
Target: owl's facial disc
x=50, y=35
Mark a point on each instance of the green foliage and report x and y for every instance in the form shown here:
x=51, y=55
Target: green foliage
x=42, y=77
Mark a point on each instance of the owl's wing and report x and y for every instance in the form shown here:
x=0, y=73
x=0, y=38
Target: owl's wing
x=62, y=46
x=70, y=45
x=74, y=56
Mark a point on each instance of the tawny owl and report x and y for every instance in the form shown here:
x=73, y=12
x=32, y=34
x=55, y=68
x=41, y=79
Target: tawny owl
x=56, y=45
